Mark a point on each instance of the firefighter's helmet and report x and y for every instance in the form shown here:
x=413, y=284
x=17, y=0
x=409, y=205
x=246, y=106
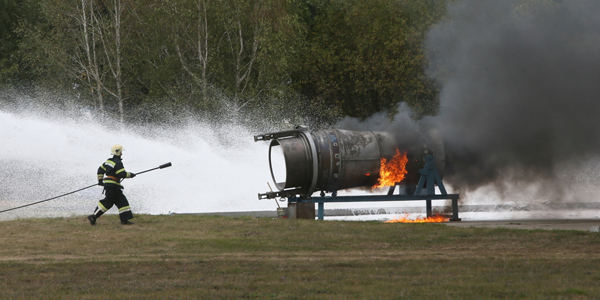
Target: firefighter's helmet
x=116, y=150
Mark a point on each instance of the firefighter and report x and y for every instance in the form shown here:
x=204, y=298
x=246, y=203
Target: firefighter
x=114, y=171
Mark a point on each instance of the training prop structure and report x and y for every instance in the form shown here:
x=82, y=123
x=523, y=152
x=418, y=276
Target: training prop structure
x=333, y=160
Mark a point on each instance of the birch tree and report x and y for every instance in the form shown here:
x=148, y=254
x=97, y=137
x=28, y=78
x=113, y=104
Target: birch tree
x=86, y=56
x=73, y=45
x=196, y=36
x=112, y=34
x=243, y=34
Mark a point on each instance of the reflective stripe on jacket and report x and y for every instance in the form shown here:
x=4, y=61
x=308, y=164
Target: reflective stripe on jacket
x=114, y=171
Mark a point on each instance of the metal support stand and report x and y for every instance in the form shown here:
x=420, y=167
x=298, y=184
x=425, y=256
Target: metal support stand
x=428, y=208
x=321, y=210
x=429, y=178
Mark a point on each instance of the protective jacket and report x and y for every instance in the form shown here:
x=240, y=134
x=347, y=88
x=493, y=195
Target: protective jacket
x=114, y=171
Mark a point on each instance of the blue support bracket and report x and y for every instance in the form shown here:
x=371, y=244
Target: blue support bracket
x=430, y=177
x=321, y=210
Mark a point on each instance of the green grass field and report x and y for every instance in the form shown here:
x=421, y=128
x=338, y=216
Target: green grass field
x=193, y=257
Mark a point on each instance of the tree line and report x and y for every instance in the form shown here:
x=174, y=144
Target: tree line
x=329, y=58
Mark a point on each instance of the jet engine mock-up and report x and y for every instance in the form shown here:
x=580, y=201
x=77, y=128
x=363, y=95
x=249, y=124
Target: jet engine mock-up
x=336, y=159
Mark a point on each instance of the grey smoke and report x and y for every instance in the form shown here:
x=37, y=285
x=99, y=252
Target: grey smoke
x=519, y=90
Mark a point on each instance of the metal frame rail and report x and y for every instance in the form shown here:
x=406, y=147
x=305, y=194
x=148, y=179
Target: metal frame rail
x=430, y=177
x=322, y=200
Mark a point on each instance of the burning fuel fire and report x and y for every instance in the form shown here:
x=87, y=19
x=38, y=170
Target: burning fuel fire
x=393, y=171
x=434, y=219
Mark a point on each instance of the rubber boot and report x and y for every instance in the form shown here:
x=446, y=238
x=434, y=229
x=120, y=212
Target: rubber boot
x=92, y=219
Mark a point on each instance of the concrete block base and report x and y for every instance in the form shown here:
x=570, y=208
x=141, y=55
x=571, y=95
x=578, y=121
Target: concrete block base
x=301, y=211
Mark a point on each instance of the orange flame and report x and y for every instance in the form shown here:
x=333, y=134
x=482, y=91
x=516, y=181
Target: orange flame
x=434, y=219
x=393, y=171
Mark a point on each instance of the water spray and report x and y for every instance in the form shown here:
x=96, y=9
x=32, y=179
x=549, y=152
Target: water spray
x=166, y=165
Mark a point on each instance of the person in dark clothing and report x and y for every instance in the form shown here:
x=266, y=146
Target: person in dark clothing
x=114, y=171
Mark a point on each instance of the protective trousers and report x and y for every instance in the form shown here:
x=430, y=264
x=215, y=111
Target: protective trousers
x=114, y=196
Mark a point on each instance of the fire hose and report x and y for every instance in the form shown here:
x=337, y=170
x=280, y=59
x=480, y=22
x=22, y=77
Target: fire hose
x=81, y=189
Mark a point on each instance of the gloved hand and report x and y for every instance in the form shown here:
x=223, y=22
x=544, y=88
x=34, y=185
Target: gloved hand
x=131, y=175
x=101, y=182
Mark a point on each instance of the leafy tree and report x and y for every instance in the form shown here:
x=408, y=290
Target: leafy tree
x=82, y=58
x=80, y=43
x=13, y=13
x=366, y=56
x=280, y=59
x=216, y=55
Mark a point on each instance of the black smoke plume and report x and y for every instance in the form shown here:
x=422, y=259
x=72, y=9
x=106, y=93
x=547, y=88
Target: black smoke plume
x=519, y=90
